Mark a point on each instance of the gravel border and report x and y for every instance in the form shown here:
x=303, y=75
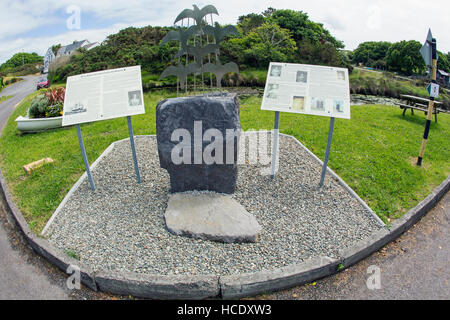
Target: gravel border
x=223, y=288
x=120, y=226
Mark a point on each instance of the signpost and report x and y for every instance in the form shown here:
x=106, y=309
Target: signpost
x=100, y=96
x=433, y=90
x=306, y=89
x=429, y=54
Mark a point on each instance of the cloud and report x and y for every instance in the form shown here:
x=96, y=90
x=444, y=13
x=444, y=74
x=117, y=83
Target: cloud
x=352, y=21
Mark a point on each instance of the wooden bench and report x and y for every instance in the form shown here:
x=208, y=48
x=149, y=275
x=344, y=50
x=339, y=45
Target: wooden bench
x=411, y=103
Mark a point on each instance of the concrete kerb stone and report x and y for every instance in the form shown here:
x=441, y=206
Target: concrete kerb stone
x=410, y=218
x=235, y=286
x=243, y=285
x=159, y=286
x=364, y=248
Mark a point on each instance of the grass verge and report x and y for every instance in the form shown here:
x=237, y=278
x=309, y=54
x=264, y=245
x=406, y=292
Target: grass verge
x=4, y=98
x=374, y=153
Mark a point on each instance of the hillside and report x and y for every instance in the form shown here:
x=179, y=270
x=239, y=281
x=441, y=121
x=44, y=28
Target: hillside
x=274, y=35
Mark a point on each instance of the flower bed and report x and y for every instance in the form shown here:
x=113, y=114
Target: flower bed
x=45, y=112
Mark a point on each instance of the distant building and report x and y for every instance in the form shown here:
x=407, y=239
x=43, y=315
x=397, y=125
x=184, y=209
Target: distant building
x=66, y=51
x=48, y=58
x=443, y=77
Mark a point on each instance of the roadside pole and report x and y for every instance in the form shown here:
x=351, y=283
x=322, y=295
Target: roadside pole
x=133, y=149
x=431, y=102
x=85, y=159
x=327, y=153
x=275, y=144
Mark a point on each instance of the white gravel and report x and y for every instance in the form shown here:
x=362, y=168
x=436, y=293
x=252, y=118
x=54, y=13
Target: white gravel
x=120, y=226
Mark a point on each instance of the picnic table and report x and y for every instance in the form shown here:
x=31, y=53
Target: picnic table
x=418, y=103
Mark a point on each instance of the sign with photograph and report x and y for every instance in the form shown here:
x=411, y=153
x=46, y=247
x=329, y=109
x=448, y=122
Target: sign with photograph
x=103, y=95
x=307, y=89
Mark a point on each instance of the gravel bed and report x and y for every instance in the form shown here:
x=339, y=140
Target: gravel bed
x=120, y=226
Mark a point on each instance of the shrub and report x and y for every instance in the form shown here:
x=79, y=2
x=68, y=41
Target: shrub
x=38, y=107
x=48, y=105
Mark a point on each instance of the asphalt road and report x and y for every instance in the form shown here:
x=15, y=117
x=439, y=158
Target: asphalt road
x=19, y=91
x=24, y=274
x=416, y=266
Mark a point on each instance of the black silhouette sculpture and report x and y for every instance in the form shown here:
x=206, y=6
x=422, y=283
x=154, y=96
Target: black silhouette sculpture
x=183, y=35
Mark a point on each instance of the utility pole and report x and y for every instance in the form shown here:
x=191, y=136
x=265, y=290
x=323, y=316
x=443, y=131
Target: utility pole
x=425, y=51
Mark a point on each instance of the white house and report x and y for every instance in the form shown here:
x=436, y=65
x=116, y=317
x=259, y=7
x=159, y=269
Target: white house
x=48, y=58
x=66, y=51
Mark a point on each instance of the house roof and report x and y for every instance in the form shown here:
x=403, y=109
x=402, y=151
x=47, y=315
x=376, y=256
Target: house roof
x=91, y=45
x=442, y=72
x=72, y=47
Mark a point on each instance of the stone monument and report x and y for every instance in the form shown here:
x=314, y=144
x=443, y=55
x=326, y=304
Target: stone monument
x=198, y=141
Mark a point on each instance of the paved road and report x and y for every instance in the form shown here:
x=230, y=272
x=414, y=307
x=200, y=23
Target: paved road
x=24, y=275
x=19, y=278
x=416, y=266
x=19, y=91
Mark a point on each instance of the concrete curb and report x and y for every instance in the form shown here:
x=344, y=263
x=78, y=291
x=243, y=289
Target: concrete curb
x=234, y=286
x=243, y=285
x=159, y=286
x=42, y=246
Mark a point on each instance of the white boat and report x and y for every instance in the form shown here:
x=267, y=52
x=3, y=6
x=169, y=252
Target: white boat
x=39, y=124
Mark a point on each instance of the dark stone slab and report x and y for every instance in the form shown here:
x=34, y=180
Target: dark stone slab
x=217, y=111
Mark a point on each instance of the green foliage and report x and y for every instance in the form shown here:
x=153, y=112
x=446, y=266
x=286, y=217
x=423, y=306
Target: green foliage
x=131, y=46
x=38, y=107
x=313, y=43
x=304, y=29
x=404, y=57
x=48, y=105
x=372, y=152
x=371, y=52
x=266, y=43
x=384, y=84
x=55, y=48
x=443, y=62
x=20, y=59
x=10, y=81
x=274, y=35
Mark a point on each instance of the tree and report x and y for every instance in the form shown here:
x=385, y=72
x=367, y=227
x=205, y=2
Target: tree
x=443, y=62
x=249, y=22
x=404, y=57
x=20, y=59
x=260, y=46
x=371, y=51
x=303, y=28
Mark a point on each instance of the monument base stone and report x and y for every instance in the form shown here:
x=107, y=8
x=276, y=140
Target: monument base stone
x=210, y=216
x=195, y=116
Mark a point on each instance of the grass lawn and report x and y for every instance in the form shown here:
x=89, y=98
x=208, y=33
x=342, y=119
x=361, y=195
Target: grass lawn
x=374, y=153
x=4, y=98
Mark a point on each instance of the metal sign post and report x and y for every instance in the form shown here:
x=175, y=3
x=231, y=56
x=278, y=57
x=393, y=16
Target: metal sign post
x=85, y=159
x=275, y=143
x=429, y=47
x=133, y=150
x=327, y=153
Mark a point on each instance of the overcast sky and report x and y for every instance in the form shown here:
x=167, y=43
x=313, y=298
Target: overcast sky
x=35, y=25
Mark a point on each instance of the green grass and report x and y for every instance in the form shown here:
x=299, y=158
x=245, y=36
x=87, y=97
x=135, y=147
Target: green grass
x=374, y=153
x=4, y=98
